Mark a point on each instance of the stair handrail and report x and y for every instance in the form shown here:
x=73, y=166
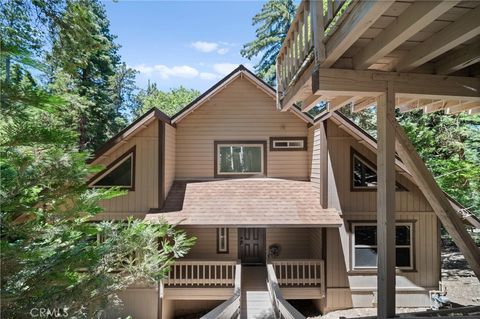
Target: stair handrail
x=283, y=309
x=230, y=308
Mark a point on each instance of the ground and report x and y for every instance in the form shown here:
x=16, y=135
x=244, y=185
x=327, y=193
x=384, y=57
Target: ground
x=463, y=288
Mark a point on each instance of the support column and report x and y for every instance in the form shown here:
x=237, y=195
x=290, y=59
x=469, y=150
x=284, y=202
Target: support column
x=386, y=204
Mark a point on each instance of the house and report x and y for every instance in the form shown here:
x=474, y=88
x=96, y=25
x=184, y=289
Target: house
x=248, y=181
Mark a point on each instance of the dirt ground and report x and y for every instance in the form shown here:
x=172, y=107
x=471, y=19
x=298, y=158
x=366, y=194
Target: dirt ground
x=463, y=288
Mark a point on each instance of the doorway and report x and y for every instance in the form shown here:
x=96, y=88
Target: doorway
x=251, y=246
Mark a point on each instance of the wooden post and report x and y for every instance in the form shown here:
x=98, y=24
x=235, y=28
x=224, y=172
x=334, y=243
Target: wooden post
x=317, y=29
x=437, y=199
x=386, y=204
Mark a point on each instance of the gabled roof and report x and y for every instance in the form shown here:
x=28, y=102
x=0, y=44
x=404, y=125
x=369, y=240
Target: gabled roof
x=155, y=113
x=130, y=130
x=249, y=202
x=371, y=143
x=242, y=72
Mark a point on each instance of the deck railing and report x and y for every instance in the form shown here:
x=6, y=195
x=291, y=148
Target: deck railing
x=231, y=308
x=312, y=17
x=202, y=273
x=282, y=308
x=299, y=272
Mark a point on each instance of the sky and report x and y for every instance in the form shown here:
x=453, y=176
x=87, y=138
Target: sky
x=189, y=43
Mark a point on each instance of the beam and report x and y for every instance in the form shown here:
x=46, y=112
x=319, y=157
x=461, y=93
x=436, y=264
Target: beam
x=459, y=59
x=437, y=199
x=362, y=16
x=464, y=29
x=343, y=82
x=463, y=106
x=364, y=104
x=339, y=102
x=410, y=22
x=317, y=25
x=312, y=101
x=386, y=204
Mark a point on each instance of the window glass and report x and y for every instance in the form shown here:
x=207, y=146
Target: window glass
x=119, y=176
x=222, y=240
x=365, y=246
x=241, y=159
x=363, y=175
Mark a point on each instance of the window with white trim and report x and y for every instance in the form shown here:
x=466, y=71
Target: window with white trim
x=240, y=159
x=222, y=240
x=364, y=244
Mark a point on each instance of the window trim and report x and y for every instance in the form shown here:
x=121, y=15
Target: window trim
x=354, y=153
x=216, y=162
x=355, y=268
x=226, y=249
x=131, y=153
x=274, y=148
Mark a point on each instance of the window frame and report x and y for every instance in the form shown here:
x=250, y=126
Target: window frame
x=216, y=162
x=223, y=250
x=288, y=139
x=131, y=153
x=354, y=153
x=353, y=267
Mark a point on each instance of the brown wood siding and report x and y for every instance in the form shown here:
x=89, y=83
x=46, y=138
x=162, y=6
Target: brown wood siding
x=340, y=144
x=145, y=195
x=170, y=134
x=294, y=242
x=205, y=247
x=239, y=112
x=339, y=274
x=314, y=160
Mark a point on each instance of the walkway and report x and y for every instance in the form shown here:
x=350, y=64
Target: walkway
x=255, y=301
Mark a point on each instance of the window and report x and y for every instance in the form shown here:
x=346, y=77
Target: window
x=222, y=240
x=120, y=173
x=364, y=243
x=288, y=143
x=364, y=174
x=242, y=159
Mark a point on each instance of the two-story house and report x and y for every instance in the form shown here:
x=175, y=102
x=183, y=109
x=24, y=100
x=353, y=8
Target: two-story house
x=249, y=181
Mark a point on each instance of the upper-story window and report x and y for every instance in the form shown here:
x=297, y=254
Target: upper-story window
x=120, y=173
x=240, y=158
x=364, y=174
x=288, y=143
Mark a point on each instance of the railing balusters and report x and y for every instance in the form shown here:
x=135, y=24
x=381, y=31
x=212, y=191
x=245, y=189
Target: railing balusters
x=301, y=272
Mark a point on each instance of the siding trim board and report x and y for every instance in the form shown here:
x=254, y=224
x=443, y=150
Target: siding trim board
x=161, y=163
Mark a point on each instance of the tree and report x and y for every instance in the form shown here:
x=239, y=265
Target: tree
x=169, y=102
x=84, y=54
x=50, y=255
x=273, y=23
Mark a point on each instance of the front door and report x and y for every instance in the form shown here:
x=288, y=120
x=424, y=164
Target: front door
x=251, y=243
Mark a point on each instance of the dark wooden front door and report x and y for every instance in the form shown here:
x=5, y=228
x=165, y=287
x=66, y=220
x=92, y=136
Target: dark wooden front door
x=251, y=243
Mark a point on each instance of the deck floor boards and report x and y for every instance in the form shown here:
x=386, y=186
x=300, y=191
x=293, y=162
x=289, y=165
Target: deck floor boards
x=255, y=300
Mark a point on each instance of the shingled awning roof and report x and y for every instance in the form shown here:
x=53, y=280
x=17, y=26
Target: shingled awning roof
x=254, y=202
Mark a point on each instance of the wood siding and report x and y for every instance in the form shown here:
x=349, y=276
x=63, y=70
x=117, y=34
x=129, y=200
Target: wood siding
x=205, y=247
x=351, y=286
x=339, y=145
x=169, y=177
x=239, y=112
x=145, y=195
x=293, y=242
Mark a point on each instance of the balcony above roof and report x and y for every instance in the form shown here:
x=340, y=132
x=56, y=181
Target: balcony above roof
x=348, y=52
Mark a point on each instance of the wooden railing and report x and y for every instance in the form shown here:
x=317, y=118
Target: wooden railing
x=299, y=272
x=231, y=308
x=202, y=273
x=282, y=308
x=313, y=21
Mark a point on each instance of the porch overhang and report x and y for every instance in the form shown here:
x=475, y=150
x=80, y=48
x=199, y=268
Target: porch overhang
x=246, y=202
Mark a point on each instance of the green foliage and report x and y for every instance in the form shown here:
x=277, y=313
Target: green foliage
x=273, y=23
x=169, y=102
x=49, y=253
